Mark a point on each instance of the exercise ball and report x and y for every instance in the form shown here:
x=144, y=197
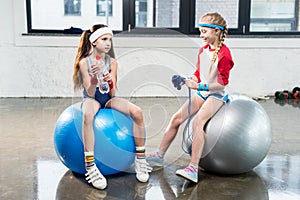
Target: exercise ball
x=114, y=147
x=238, y=137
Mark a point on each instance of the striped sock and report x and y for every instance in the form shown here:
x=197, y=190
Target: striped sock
x=140, y=152
x=89, y=159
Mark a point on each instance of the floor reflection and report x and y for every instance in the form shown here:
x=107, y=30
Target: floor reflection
x=281, y=173
x=277, y=177
x=49, y=174
x=291, y=102
x=164, y=184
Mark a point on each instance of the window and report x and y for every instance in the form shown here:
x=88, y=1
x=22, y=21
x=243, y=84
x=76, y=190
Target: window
x=229, y=9
x=54, y=16
x=141, y=13
x=73, y=7
x=157, y=13
x=244, y=17
x=103, y=6
x=274, y=15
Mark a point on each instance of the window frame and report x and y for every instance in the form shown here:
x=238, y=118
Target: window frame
x=186, y=22
x=29, y=23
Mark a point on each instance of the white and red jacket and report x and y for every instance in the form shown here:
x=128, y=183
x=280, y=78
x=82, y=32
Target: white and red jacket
x=220, y=70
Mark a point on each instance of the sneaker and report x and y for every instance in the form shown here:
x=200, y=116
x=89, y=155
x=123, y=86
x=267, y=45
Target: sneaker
x=95, y=177
x=155, y=159
x=142, y=169
x=189, y=173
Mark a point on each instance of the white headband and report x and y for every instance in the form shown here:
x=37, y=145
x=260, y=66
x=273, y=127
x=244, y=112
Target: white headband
x=99, y=32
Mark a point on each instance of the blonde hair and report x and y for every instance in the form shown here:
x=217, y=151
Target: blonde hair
x=217, y=19
x=84, y=49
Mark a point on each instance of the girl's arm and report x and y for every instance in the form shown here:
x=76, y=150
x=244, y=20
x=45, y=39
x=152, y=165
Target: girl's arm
x=194, y=78
x=89, y=82
x=224, y=67
x=191, y=83
x=215, y=86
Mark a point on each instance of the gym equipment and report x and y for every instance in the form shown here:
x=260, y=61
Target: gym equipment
x=114, y=142
x=238, y=137
x=294, y=94
x=283, y=95
x=178, y=81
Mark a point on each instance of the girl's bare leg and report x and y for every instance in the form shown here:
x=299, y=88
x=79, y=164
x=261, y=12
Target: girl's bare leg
x=89, y=109
x=208, y=109
x=136, y=113
x=177, y=119
x=142, y=168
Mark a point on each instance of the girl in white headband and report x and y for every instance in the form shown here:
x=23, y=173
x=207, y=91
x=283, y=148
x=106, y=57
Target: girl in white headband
x=95, y=52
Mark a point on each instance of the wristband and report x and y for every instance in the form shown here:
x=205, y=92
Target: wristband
x=93, y=81
x=203, y=87
x=111, y=85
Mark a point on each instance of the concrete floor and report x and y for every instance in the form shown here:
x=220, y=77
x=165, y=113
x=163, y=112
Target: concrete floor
x=30, y=168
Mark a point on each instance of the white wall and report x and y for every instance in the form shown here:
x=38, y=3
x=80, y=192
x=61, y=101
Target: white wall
x=41, y=66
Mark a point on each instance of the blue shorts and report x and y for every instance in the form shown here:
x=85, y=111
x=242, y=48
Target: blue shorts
x=101, y=98
x=225, y=98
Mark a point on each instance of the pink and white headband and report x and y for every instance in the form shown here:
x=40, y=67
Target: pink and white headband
x=99, y=32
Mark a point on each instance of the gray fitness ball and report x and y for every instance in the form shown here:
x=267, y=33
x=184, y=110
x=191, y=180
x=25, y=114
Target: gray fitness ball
x=238, y=137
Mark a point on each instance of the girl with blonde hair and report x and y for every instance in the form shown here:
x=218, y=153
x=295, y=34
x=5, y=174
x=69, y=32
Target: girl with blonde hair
x=210, y=95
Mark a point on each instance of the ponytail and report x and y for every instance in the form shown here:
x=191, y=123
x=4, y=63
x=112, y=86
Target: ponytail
x=84, y=48
x=216, y=19
x=215, y=55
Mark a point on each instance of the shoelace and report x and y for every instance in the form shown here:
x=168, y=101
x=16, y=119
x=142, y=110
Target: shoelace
x=143, y=166
x=92, y=175
x=154, y=155
x=189, y=169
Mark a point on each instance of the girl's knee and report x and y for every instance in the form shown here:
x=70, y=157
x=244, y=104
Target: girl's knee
x=176, y=119
x=137, y=113
x=88, y=117
x=198, y=124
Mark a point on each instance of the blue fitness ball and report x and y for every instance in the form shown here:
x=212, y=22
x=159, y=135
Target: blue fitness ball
x=114, y=141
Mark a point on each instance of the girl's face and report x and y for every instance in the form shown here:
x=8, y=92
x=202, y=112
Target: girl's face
x=209, y=35
x=103, y=43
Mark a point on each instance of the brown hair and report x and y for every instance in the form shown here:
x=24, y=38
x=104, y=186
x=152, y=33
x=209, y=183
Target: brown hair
x=84, y=49
x=217, y=19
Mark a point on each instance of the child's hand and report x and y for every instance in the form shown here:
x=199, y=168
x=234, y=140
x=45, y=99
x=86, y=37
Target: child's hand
x=95, y=70
x=107, y=77
x=190, y=83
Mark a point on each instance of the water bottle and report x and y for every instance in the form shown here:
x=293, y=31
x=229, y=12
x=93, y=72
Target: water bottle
x=103, y=85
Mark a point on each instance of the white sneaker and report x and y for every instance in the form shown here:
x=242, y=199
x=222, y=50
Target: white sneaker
x=95, y=177
x=142, y=170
